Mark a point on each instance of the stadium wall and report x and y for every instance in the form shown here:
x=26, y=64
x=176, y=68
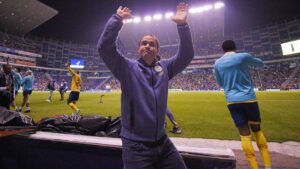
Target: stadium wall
x=60, y=151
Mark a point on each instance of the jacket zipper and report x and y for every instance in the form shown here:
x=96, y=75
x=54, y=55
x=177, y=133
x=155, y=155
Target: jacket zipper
x=131, y=107
x=155, y=105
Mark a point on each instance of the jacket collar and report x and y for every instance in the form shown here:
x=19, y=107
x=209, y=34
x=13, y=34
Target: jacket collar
x=141, y=60
x=229, y=53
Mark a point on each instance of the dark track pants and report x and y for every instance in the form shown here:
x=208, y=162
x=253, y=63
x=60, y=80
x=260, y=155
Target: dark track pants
x=160, y=155
x=5, y=99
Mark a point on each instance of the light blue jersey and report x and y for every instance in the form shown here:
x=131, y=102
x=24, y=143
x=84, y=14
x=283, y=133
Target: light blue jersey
x=17, y=80
x=27, y=82
x=232, y=74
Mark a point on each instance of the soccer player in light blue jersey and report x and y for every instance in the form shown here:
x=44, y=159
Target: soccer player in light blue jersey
x=27, y=84
x=17, y=84
x=233, y=75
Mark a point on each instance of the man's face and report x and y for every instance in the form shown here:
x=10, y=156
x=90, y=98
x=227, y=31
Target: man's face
x=148, y=47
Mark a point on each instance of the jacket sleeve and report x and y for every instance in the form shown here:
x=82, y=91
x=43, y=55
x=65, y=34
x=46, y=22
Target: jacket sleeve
x=217, y=76
x=23, y=81
x=185, y=53
x=107, y=46
x=17, y=77
x=251, y=60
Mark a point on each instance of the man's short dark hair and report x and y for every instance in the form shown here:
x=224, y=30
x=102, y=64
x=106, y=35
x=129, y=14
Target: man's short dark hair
x=156, y=40
x=228, y=45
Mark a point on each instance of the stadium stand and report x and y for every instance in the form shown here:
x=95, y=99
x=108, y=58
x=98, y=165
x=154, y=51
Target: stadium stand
x=49, y=56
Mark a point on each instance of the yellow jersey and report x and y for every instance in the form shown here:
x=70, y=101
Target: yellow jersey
x=76, y=80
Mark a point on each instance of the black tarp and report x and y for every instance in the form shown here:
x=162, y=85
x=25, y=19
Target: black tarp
x=95, y=125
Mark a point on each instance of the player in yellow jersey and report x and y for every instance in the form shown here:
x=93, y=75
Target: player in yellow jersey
x=75, y=89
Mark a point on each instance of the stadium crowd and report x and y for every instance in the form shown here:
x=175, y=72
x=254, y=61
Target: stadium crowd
x=273, y=76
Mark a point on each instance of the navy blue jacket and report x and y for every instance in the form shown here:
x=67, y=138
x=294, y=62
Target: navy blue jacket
x=144, y=88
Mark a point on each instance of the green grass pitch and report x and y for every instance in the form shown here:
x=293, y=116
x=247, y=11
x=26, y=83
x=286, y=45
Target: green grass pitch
x=200, y=114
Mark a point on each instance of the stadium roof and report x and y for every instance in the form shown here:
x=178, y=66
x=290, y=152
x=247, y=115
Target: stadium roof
x=20, y=17
x=83, y=20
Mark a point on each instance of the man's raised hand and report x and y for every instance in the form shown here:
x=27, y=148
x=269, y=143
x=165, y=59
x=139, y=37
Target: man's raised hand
x=181, y=14
x=124, y=12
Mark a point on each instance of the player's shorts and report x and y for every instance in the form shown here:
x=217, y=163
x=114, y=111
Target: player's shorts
x=27, y=92
x=242, y=113
x=74, y=96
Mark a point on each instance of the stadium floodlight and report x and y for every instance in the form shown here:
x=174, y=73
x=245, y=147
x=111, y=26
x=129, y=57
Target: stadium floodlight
x=147, y=18
x=157, y=17
x=199, y=10
x=136, y=20
x=207, y=7
x=193, y=10
x=219, y=5
x=168, y=15
x=128, y=20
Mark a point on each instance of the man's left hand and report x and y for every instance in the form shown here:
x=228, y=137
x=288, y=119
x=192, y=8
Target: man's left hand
x=181, y=14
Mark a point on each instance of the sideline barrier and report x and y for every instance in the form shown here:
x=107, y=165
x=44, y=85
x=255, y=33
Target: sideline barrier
x=44, y=150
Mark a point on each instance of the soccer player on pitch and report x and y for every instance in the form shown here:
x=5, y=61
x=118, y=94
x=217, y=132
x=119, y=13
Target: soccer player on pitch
x=144, y=85
x=176, y=129
x=27, y=84
x=62, y=89
x=75, y=89
x=17, y=82
x=232, y=74
x=51, y=87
